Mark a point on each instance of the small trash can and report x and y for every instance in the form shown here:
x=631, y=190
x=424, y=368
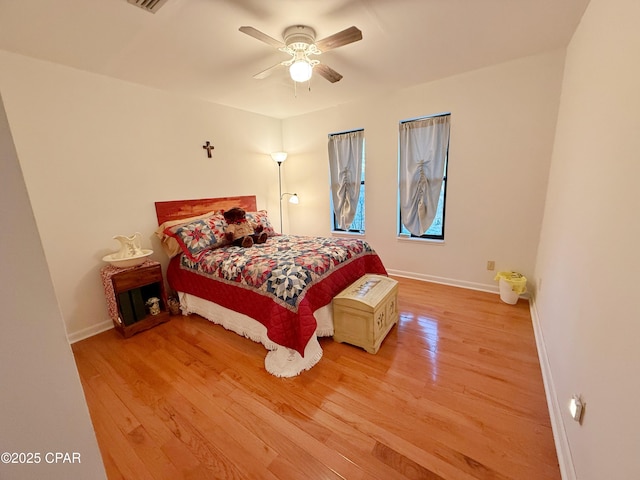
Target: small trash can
x=512, y=284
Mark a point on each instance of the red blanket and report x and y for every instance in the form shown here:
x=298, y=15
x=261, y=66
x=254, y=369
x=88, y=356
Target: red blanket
x=279, y=283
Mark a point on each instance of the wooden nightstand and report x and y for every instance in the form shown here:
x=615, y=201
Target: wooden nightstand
x=127, y=291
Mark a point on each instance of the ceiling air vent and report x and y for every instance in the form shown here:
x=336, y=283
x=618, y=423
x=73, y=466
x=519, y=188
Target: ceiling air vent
x=149, y=5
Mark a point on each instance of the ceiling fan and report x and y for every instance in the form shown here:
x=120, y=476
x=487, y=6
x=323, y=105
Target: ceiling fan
x=300, y=42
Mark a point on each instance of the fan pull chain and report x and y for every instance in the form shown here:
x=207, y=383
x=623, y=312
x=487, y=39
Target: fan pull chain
x=295, y=87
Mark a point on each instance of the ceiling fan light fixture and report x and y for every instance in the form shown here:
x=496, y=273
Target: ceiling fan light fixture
x=300, y=42
x=301, y=70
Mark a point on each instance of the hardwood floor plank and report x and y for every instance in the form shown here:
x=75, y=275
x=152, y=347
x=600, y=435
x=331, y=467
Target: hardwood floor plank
x=125, y=420
x=151, y=454
x=430, y=460
x=302, y=439
x=207, y=411
x=455, y=392
x=147, y=391
x=299, y=462
x=120, y=461
x=408, y=468
x=294, y=405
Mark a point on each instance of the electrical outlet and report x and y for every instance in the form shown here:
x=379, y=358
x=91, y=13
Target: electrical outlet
x=576, y=407
x=491, y=265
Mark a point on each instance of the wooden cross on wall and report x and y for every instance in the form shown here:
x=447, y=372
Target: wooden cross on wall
x=208, y=147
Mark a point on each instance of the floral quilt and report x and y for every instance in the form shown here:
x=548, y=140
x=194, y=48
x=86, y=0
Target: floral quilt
x=279, y=283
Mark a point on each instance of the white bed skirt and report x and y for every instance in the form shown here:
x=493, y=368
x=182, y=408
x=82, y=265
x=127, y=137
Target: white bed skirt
x=280, y=361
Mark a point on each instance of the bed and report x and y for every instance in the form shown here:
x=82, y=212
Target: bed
x=277, y=293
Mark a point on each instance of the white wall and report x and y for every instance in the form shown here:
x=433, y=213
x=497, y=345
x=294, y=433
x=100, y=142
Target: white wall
x=43, y=408
x=588, y=256
x=503, y=123
x=97, y=153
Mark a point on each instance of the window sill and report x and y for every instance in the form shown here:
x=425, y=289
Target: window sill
x=431, y=241
x=338, y=233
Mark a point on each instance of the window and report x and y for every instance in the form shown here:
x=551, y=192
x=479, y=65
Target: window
x=423, y=160
x=347, y=166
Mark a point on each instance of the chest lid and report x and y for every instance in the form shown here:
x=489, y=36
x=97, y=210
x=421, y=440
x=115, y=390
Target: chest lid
x=369, y=290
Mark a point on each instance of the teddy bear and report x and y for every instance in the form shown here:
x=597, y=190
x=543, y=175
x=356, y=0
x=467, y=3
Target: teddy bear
x=240, y=231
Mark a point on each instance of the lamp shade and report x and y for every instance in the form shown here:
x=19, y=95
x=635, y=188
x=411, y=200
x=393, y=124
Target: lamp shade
x=294, y=199
x=300, y=70
x=279, y=156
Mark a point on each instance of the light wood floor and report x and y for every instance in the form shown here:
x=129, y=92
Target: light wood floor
x=455, y=393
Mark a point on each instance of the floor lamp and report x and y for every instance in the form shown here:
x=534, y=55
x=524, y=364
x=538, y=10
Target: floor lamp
x=280, y=157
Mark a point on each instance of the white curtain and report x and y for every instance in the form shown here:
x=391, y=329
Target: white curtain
x=345, y=166
x=423, y=151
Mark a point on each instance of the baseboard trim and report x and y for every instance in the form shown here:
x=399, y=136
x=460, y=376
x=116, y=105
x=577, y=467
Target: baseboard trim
x=446, y=281
x=89, y=331
x=567, y=469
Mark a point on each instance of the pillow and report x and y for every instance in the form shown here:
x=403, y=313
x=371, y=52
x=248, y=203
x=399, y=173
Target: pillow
x=197, y=237
x=260, y=218
x=169, y=244
x=218, y=225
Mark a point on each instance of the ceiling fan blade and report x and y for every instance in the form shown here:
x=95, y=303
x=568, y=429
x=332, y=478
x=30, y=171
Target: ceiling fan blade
x=263, y=37
x=328, y=73
x=350, y=35
x=267, y=72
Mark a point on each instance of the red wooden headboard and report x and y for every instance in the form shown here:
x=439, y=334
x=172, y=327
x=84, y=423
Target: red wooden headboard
x=178, y=209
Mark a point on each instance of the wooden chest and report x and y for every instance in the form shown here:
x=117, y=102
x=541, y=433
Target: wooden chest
x=364, y=312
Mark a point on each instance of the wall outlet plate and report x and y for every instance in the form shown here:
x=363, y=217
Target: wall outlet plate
x=576, y=407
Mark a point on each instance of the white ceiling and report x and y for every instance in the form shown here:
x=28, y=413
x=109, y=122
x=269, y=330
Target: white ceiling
x=193, y=47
